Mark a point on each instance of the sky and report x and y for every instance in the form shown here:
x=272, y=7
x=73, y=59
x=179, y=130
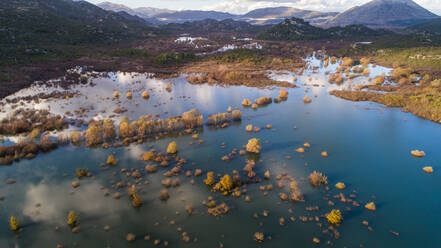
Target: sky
x=243, y=6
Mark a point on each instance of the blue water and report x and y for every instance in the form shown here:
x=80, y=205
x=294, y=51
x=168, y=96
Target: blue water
x=369, y=150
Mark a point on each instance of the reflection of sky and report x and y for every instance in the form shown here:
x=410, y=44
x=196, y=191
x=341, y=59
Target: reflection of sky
x=368, y=151
x=97, y=97
x=57, y=202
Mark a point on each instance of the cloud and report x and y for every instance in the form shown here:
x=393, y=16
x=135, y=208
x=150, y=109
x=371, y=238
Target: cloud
x=244, y=6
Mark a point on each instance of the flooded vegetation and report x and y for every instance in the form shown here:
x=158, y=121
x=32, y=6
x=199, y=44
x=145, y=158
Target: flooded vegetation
x=274, y=128
x=231, y=162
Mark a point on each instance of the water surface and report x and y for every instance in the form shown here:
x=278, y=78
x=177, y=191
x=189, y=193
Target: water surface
x=368, y=147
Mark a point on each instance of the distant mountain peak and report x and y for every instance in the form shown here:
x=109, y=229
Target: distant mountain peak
x=383, y=13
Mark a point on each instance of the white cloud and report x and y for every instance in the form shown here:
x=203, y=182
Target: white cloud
x=243, y=6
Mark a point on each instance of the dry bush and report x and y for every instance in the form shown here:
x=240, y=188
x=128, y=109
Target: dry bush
x=75, y=137
x=109, y=129
x=317, y=179
x=46, y=144
x=436, y=83
x=234, y=76
x=218, y=119
x=401, y=72
x=348, y=62
x=124, y=130
x=94, y=134
x=237, y=115
x=133, y=128
x=283, y=94
x=246, y=102
x=27, y=120
x=379, y=80
x=264, y=100
x=192, y=118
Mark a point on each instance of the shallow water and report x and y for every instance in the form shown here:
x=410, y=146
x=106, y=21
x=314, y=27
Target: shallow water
x=368, y=147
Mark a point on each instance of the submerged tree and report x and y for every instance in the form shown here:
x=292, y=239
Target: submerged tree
x=210, y=178
x=71, y=218
x=13, y=223
x=225, y=185
x=334, y=217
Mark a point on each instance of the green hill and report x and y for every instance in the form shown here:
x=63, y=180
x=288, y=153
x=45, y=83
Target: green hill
x=45, y=28
x=293, y=29
x=298, y=29
x=432, y=26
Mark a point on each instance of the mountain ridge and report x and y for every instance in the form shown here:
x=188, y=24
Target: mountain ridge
x=262, y=16
x=383, y=13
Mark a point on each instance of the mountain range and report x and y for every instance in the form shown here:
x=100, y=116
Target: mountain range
x=259, y=16
x=375, y=14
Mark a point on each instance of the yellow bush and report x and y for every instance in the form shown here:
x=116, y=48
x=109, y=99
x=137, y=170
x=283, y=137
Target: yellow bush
x=71, y=218
x=370, y=206
x=136, y=201
x=348, y=62
x=379, y=80
x=233, y=75
x=210, y=178
x=401, y=72
x=94, y=134
x=116, y=94
x=436, y=83
x=220, y=118
x=145, y=95
x=246, y=102
x=264, y=100
x=111, y=160
x=172, y=148
x=124, y=129
x=253, y=145
x=307, y=99
x=340, y=185
x=13, y=223
x=317, y=179
x=192, y=118
x=283, y=93
x=34, y=133
x=334, y=217
x=75, y=137
x=225, y=185
x=147, y=156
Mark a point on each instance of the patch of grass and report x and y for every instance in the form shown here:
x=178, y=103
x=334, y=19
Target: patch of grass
x=171, y=58
x=242, y=56
x=427, y=57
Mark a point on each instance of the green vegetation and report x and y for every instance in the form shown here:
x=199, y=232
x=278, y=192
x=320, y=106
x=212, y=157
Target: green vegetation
x=172, y=59
x=427, y=57
x=293, y=29
x=241, y=56
x=41, y=30
x=298, y=29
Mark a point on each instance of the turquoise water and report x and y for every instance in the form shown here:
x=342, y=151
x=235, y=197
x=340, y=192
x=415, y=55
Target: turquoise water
x=369, y=150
